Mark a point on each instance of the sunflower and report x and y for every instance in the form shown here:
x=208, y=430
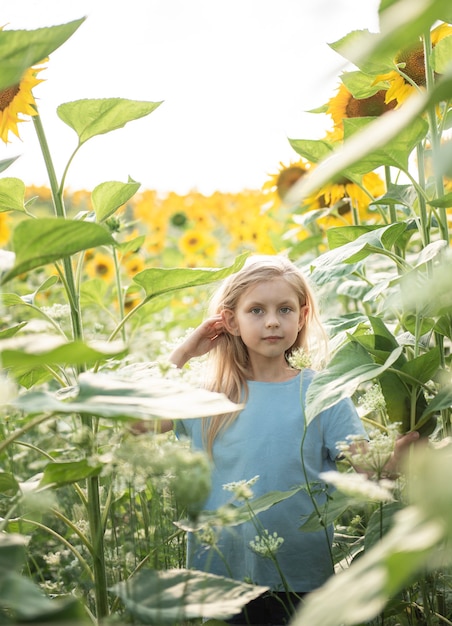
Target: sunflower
x=198, y=246
x=4, y=229
x=18, y=100
x=411, y=59
x=134, y=264
x=340, y=197
x=345, y=106
x=101, y=266
x=278, y=184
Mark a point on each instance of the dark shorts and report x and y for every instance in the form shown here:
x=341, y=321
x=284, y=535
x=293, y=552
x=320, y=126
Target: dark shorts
x=270, y=609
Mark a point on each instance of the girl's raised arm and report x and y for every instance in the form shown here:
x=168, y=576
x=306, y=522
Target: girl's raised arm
x=199, y=342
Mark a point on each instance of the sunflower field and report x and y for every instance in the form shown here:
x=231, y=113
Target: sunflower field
x=97, y=286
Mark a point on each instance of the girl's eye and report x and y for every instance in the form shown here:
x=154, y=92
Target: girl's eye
x=286, y=309
x=256, y=310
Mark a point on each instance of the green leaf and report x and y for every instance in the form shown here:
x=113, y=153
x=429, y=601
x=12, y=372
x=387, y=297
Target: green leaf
x=6, y=333
x=46, y=240
x=111, y=396
x=240, y=514
x=351, y=366
x=5, y=163
x=30, y=351
x=398, y=195
x=108, y=197
x=442, y=55
x=311, y=149
x=423, y=367
x=445, y=201
x=66, y=473
x=157, y=281
x=380, y=522
x=167, y=597
x=395, y=152
x=12, y=194
x=401, y=23
x=351, y=47
x=39, y=609
x=336, y=504
x=12, y=553
x=360, y=85
x=133, y=245
x=8, y=484
x=21, y=49
x=361, y=592
x=341, y=235
x=442, y=400
x=373, y=241
x=96, y=117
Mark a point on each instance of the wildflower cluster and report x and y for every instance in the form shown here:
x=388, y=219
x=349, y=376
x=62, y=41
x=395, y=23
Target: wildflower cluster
x=241, y=488
x=299, y=359
x=266, y=544
x=373, y=457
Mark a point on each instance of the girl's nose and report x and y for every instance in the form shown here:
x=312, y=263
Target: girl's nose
x=272, y=320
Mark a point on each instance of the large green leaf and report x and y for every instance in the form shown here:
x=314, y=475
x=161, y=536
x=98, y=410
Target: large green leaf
x=374, y=241
x=395, y=152
x=108, y=197
x=96, y=117
x=111, y=396
x=21, y=49
x=417, y=542
x=156, y=281
x=361, y=592
x=46, y=240
x=172, y=596
x=351, y=366
x=401, y=24
x=65, y=473
x=12, y=194
x=30, y=351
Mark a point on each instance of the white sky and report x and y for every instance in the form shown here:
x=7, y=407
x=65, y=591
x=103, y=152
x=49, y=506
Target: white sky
x=236, y=77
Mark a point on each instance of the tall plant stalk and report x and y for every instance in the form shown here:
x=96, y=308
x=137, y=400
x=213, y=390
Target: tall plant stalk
x=93, y=488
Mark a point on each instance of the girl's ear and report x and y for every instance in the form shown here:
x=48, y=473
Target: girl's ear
x=303, y=315
x=230, y=322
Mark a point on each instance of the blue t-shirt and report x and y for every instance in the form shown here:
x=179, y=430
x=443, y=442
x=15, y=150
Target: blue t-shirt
x=266, y=440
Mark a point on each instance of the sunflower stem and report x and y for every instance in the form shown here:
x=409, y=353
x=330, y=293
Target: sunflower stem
x=435, y=136
x=57, y=197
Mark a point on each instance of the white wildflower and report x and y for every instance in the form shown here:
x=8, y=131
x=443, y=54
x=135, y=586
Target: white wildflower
x=373, y=399
x=266, y=545
x=57, y=311
x=53, y=558
x=359, y=486
x=374, y=456
x=242, y=488
x=300, y=359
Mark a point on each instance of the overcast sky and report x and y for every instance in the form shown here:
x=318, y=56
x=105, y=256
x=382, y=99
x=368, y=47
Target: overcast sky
x=236, y=78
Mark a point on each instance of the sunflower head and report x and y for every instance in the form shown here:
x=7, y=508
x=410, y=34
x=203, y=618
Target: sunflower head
x=411, y=63
x=18, y=100
x=345, y=106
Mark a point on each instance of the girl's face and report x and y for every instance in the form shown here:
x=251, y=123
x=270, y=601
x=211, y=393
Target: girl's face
x=268, y=318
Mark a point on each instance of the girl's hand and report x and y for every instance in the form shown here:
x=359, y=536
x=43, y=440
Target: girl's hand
x=200, y=341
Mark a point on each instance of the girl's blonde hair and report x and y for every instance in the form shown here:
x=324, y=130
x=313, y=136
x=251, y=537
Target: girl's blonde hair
x=229, y=367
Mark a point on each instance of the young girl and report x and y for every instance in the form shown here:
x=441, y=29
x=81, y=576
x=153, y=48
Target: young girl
x=259, y=317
